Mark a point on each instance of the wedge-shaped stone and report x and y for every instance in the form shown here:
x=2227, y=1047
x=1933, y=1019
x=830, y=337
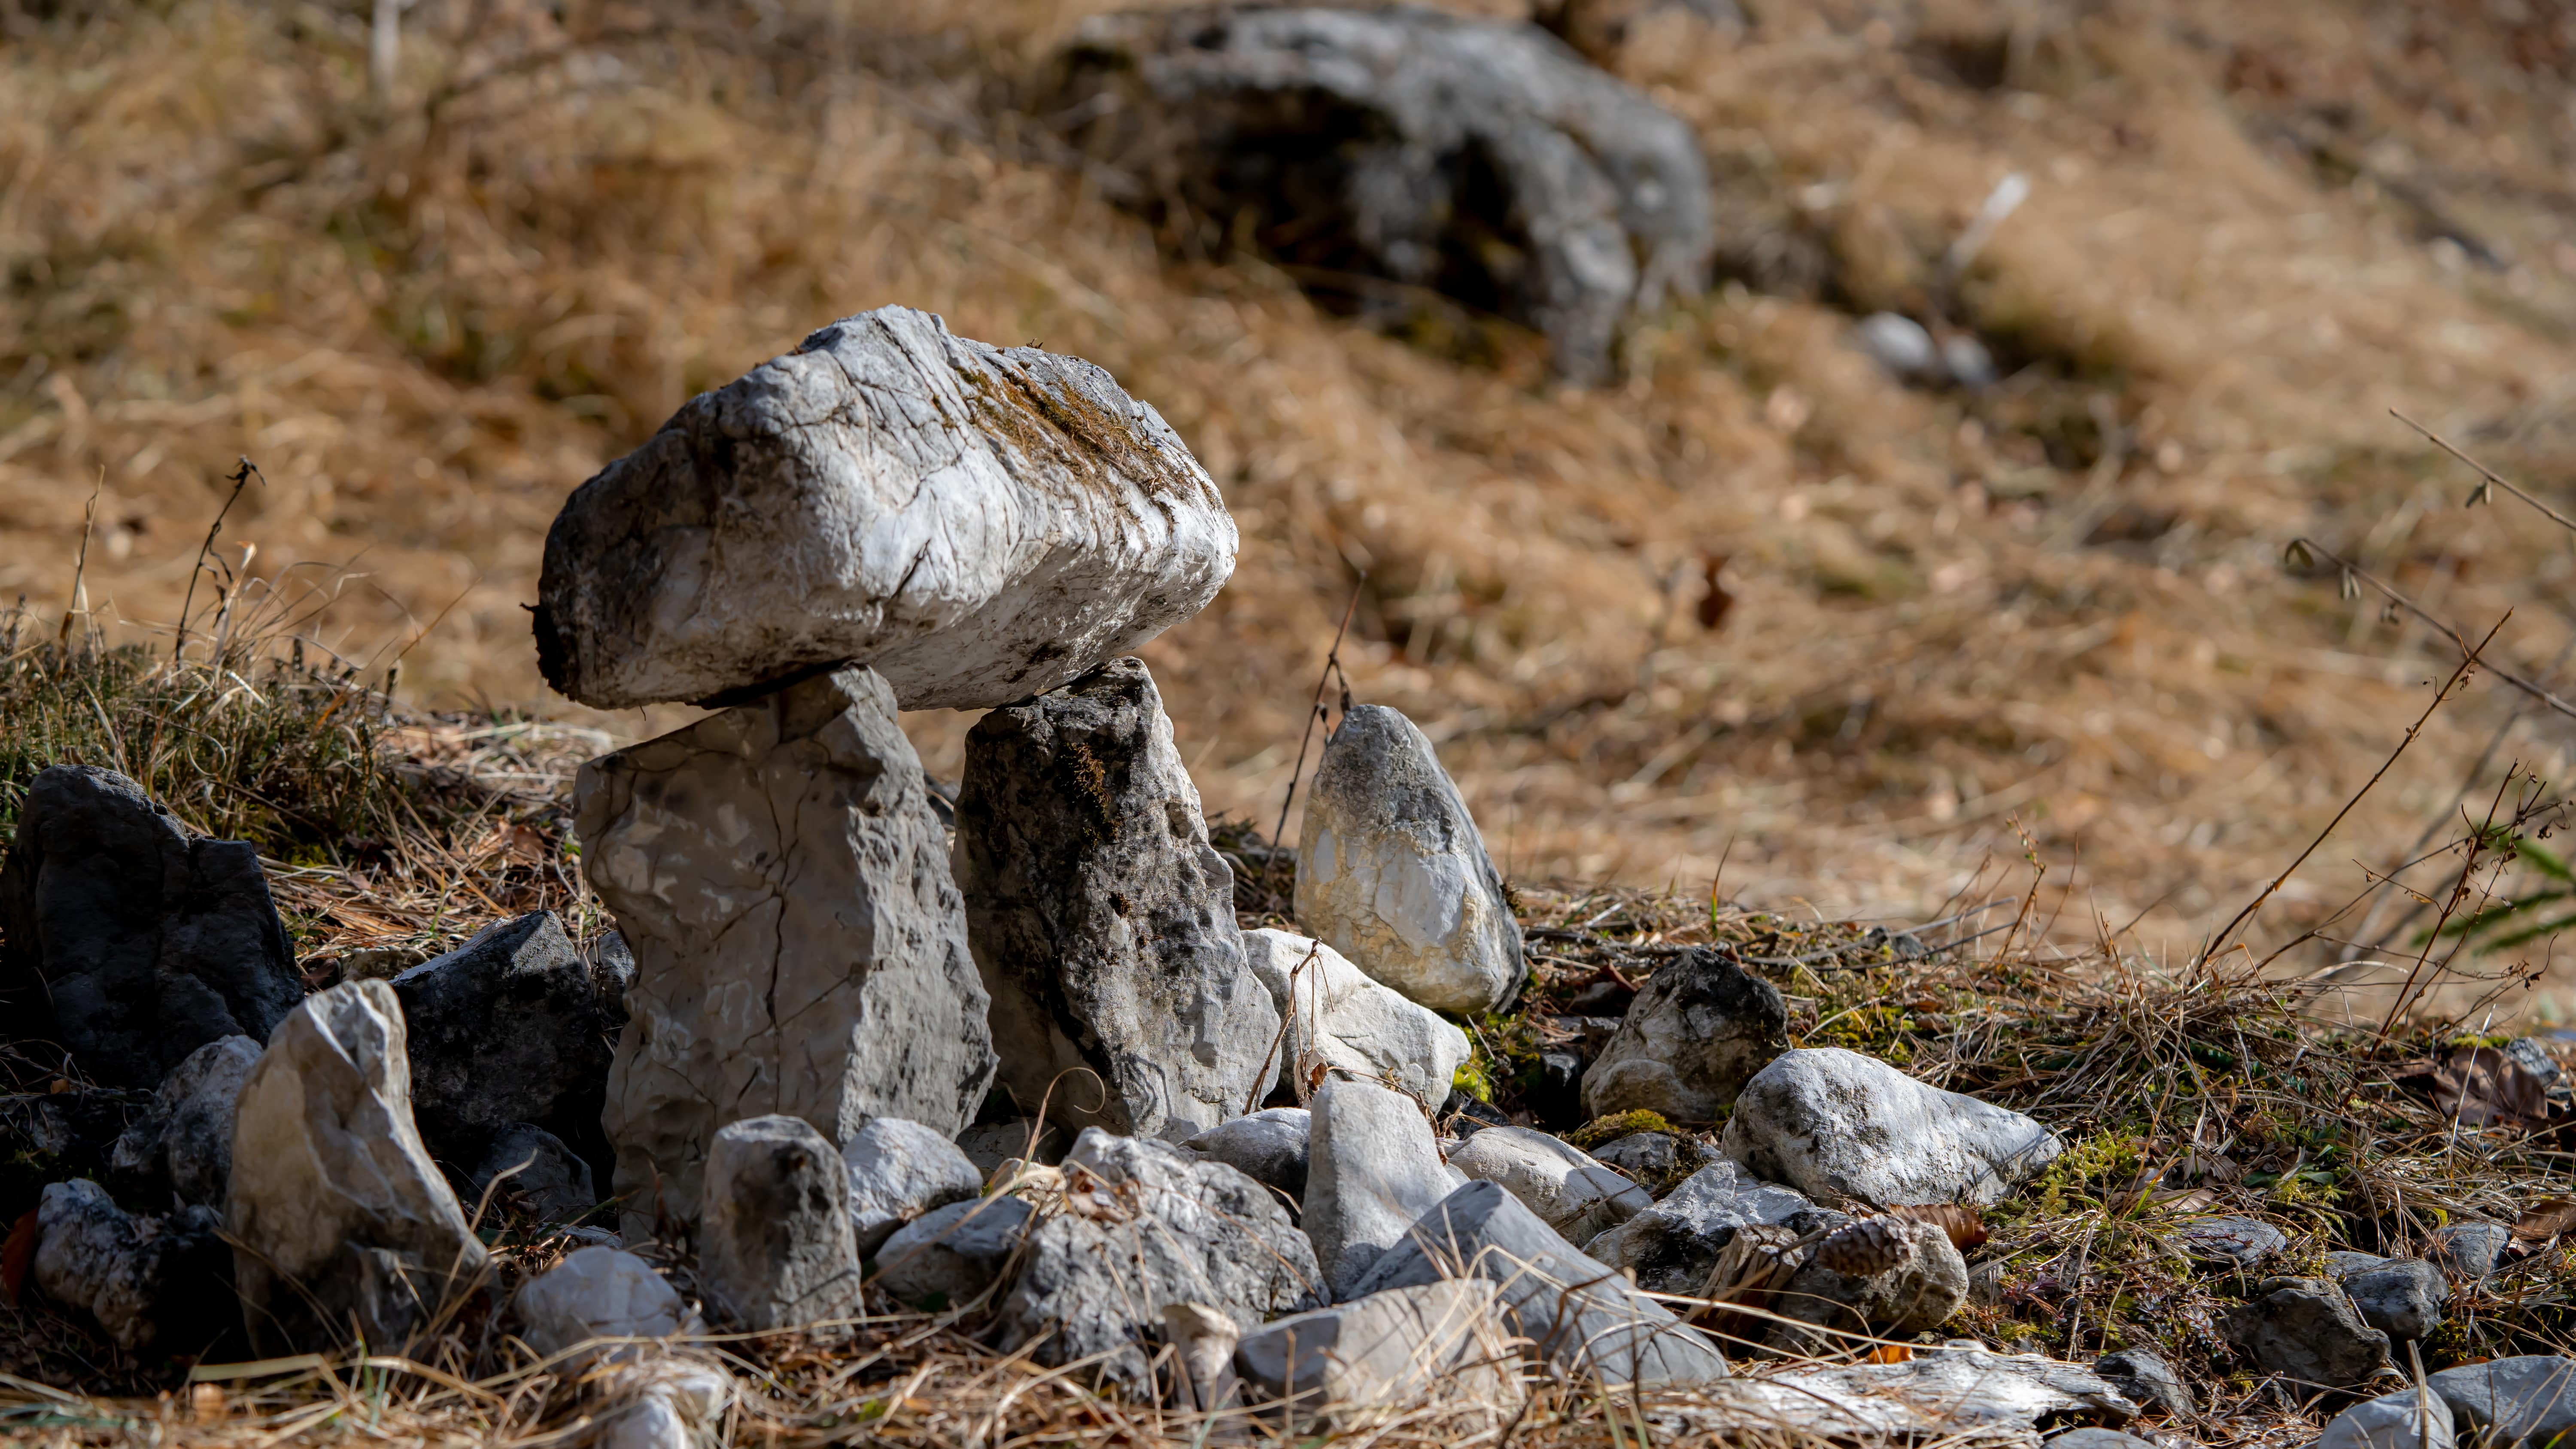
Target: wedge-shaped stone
x=1372, y=1169
x=799, y=945
x=1345, y=1368
x=1339, y=1018
x=344, y=1227
x=977, y=523
x=1103, y=920
x=1583, y=1320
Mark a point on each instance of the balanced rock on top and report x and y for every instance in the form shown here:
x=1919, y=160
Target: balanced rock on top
x=978, y=524
x=1392, y=873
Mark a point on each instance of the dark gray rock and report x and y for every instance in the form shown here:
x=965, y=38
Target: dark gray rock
x=1656, y=1161
x=976, y=524
x=545, y=1175
x=161, y=1283
x=2469, y=1250
x=1673, y=1246
x=950, y=1254
x=800, y=946
x=1392, y=873
x=1836, y=1124
x=898, y=1171
x=2506, y=1402
x=126, y=942
x=2407, y=1419
x=1103, y=920
x=774, y=1246
x=2401, y=1297
x=183, y=1144
x=1581, y=1318
x=2533, y=1055
x=2307, y=1331
x=612, y=970
x=2230, y=1242
x=2146, y=1376
x=507, y=1028
x=1268, y=1146
x=1481, y=159
x=1150, y=1226
x=1699, y=1031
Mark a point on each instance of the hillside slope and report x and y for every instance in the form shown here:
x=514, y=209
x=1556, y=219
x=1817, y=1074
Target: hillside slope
x=1755, y=600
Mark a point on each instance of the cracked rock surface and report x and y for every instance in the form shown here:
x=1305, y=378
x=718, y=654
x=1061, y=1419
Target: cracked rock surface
x=978, y=524
x=799, y=946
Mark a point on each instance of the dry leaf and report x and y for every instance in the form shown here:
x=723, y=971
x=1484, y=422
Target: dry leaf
x=2482, y=1086
x=17, y=1255
x=2545, y=1220
x=1890, y=1353
x=1965, y=1225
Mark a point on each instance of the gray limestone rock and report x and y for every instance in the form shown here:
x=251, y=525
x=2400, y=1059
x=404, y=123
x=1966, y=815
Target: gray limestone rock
x=1372, y=1169
x=183, y=1143
x=2094, y=1437
x=799, y=945
x=546, y=1176
x=159, y=1283
x=1698, y=1032
x=990, y=1144
x=1343, y=1369
x=1103, y=920
x=2401, y=1297
x=2535, y=1057
x=129, y=943
x=1836, y=1124
x=2230, y=1242
x=898, y=1171
x=1927, y=1283
x=596, y=1293
x=1479, y=158
x=950, y=1254
x=1339, y=1018
x=774, y=1245
x=977, y=524
x=506, y=1028
x=1269, y=1146
x=2407, y=1419
x=1659, y=1162
x=612, y=970
x=2148, y=1377
x=2505, y=1402
x=343, y=1222
x=1960, y=1392
x=1392, y=873
x=2469, y=1250
x=2307, y=1331
x=1673, y=1246
x=1581, y=1318
x=1148, y=1225
x=1570, y=1192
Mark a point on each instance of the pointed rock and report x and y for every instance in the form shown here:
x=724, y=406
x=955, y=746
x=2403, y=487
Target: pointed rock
x=799, y=946
x=1392, y=874
x=775, y=1249
x=1103, y=920
x=507, y=1028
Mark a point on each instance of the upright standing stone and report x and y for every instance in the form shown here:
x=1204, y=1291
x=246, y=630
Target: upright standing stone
x=1391, y=871
x=977, y=523
x=343, y=1224
x=776, y=1250
x=1103, y=920
x=129, y=943
x=799, y=946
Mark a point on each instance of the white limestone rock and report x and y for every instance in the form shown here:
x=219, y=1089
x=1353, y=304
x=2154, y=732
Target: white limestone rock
x=341, y=1216
x=978, y=524
x=1838, y=1125
x=1341, y=1019
x=1392, y=873
x=898, y=1171
x=1372, y=1168
x=799, y=946
x=1569, y=1191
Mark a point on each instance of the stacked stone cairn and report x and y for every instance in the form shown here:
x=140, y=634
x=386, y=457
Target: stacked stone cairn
x=1038, y=1072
